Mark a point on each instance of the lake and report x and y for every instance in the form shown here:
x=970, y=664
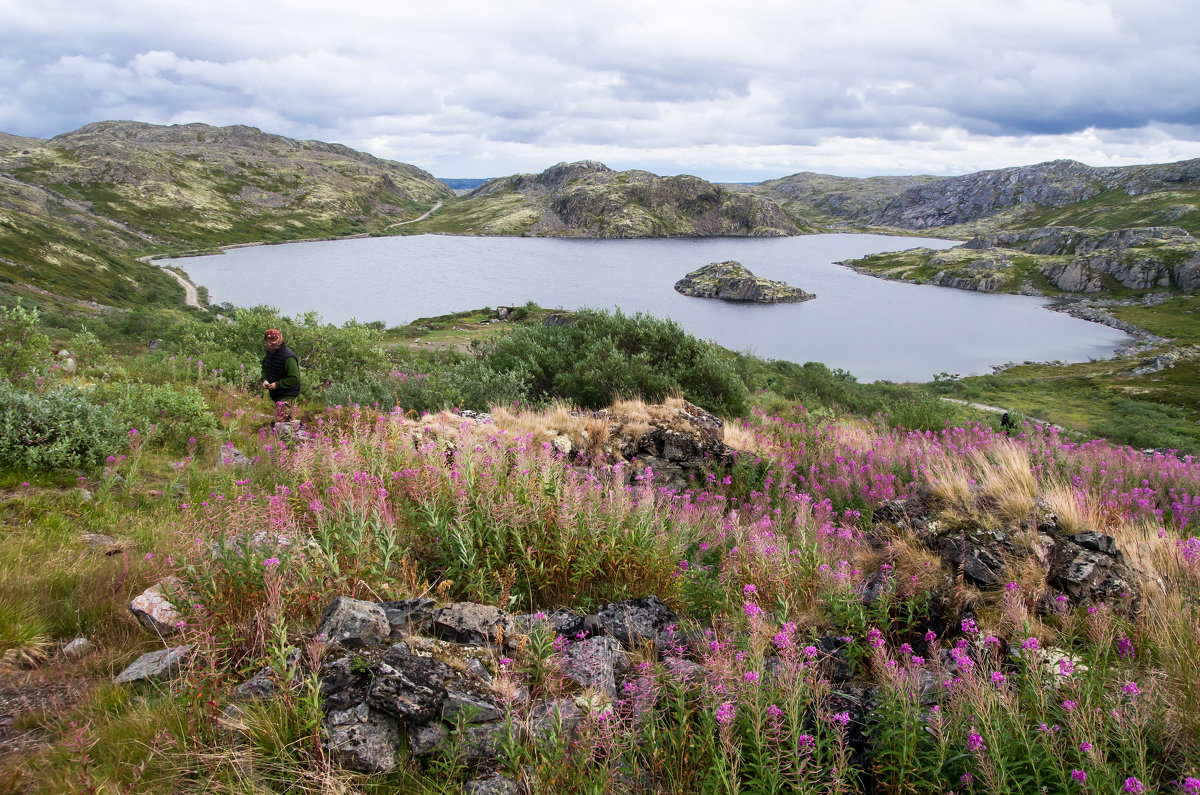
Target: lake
x=873, y=328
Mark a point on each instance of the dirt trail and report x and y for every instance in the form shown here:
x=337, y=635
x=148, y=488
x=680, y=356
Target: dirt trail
x=189, y=290
x=428, y=213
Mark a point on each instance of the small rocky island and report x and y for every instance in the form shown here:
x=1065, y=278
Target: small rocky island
x=730, y=281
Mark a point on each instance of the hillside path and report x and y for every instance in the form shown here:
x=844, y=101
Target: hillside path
x=189, y=290
x=428, y=213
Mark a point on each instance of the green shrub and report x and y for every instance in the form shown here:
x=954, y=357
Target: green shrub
x=61, y=428
x=23, y=346
x=1143, y=424
x=177, y=412
x=452, y=382
x=814, y=385
x=597, y=357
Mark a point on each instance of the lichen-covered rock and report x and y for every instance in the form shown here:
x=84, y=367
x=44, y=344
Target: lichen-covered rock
x=156, y=666
x=352, y=622
x=78, y=648
x=230, y=456
x=492, y=785
x=731, y=281
x=409, y=616
x=563, y=623
x=423, y=740
x=638, y=622
x=592, y=663
x=468, y=708
x=362, y=739
x=155, y=611
x=409, y=688
x=470, y=623
x=260, y=687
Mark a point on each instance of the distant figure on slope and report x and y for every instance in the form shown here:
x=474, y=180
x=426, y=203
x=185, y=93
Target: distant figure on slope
x=281, y=374
x=1007, y=423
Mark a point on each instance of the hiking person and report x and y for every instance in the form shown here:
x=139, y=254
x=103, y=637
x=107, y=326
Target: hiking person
x=281, y=374
x=1007, y=423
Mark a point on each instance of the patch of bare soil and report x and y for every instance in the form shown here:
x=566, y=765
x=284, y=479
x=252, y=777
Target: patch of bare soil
x=28, y=694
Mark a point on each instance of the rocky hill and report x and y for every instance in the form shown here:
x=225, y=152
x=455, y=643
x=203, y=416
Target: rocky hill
x=1060, y=183
x=77, y=209
x=588, y=199
x=1062, y=192
x=196, y=183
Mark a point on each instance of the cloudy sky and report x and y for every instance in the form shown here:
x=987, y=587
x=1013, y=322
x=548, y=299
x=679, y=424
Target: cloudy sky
x=728, y=91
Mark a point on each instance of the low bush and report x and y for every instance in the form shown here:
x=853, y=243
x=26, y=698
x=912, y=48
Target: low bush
x=597, y=357
x=23, y=346
x=815, y=384
x=457, y=382
x=59, y=429
x=177, y=412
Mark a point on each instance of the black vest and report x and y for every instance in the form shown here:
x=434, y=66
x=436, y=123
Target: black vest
x=274, y=368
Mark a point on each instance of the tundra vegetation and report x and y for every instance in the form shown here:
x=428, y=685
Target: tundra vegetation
x=834, y=630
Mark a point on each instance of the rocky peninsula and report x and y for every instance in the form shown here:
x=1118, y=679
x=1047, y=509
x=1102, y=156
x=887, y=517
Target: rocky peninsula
x=731, y=281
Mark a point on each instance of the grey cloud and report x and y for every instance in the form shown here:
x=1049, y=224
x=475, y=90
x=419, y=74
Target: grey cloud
x=670, y=79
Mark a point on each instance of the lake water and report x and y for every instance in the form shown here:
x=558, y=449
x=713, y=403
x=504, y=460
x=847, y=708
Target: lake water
x=873, y=328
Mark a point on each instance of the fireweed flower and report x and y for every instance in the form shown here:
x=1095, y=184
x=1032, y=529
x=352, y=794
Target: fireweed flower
x=1066, y=667
x=969, y=627
x=751, y=610
x=1131, y=688
x=726, y=713
x=1069, y=705
x=1191, y=785
x=1085, y=746
x=1079, y=775
x=751, y=677
x=1125, y=647
x=271, y=563
x=966, y=779
x=1132, y=784
x=975, y=743
x=1030, y=644
x=749, y=590
x=841, y=718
